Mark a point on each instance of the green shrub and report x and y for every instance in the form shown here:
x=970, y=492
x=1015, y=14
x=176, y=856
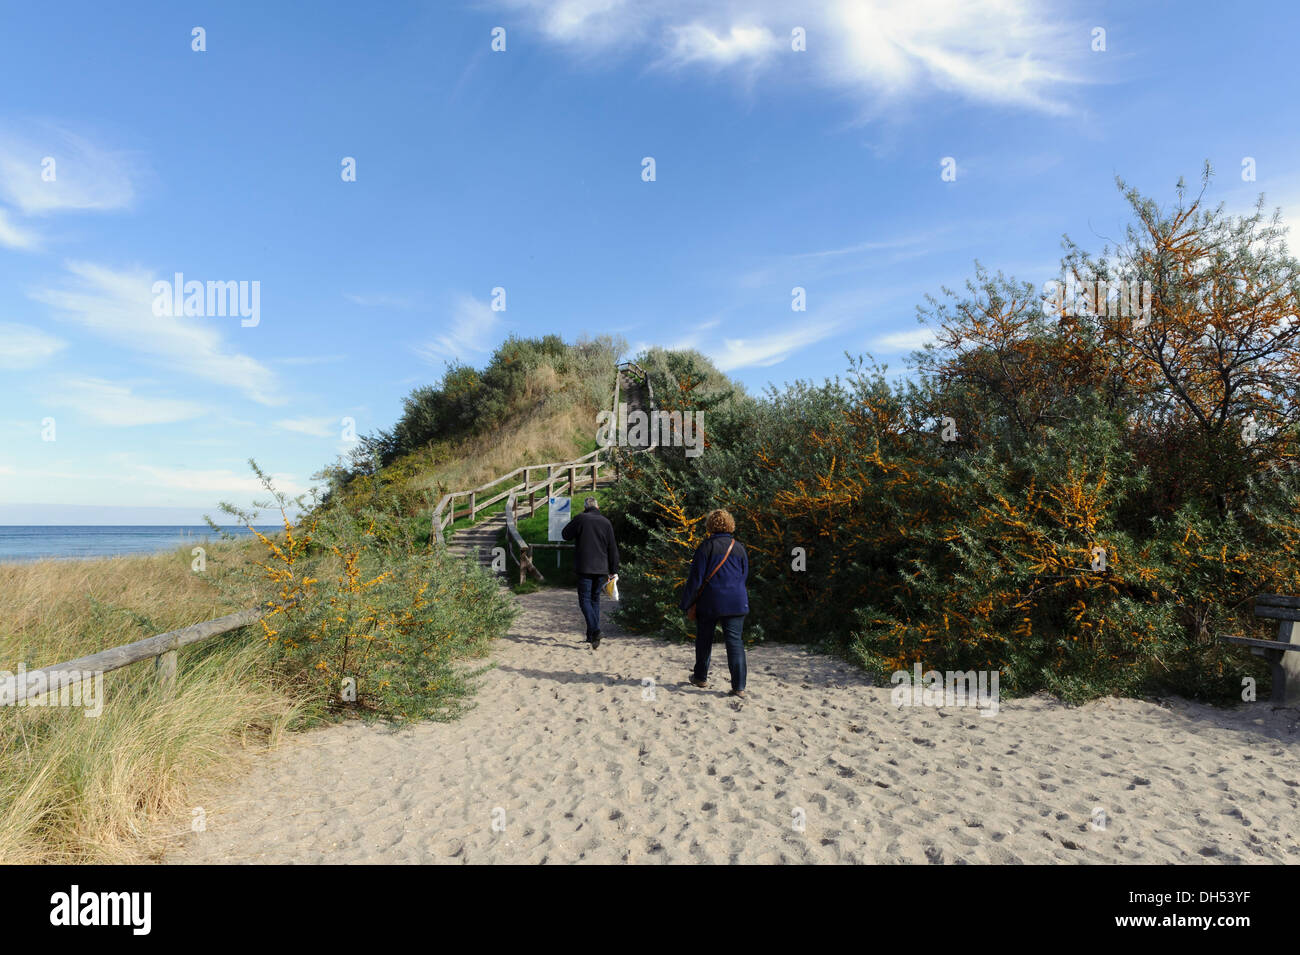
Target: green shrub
x=364, y=618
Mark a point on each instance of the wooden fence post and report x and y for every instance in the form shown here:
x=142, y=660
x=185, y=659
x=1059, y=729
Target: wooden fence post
x=164, y=665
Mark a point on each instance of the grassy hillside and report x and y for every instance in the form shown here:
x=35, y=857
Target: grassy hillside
x=535, y=401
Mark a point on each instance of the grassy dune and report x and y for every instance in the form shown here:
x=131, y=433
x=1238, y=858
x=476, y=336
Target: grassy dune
x=547, y=431
x=112, y=788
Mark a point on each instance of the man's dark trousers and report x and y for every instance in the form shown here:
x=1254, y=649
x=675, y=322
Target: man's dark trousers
x=589, y=588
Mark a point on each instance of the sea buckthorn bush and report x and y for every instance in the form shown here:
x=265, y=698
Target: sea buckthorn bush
x=1080, y=500
x=364, y=618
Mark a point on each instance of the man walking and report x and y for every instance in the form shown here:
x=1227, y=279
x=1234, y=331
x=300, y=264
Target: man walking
x=595, y=560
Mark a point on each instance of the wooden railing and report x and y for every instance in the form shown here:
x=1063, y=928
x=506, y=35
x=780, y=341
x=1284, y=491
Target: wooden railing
x=558, y=474
x=162, y=648
x=520, y=549
x=633, y=368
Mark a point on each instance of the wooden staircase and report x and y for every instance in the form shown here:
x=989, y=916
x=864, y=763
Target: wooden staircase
x=478, y=540
x=572, y=478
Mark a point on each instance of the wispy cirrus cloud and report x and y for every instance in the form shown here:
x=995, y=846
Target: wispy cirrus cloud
x=692, y=339
x=860, y=257
x=875, y=245
x=316, y=427
x=45, y=168
x=14, y=236
x=117, y=306
x=899, y=343
x=472, y=330
x=770, y=349
x=1020, y=53
x=698, y=43
x=116, y=405
x=22, y=346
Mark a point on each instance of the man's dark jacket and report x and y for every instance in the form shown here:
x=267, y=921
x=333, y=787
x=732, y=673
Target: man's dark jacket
x=593, y=535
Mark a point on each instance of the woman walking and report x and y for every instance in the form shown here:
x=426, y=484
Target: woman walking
x=715, y=594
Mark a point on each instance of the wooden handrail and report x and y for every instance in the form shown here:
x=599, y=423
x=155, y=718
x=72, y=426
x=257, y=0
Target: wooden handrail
x=444, y=515
x=162, y=648
x=523, y=551
x=650, y=397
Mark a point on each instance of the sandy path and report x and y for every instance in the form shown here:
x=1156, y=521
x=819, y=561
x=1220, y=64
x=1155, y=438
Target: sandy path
x=565, y=745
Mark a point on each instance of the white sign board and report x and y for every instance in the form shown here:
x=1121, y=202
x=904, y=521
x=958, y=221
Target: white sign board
x=558, y=515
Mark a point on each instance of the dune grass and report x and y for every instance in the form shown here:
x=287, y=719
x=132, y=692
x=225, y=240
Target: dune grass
x=115, y=788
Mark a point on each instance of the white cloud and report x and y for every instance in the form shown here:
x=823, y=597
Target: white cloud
x=86, y=176
x=15, y=237
x=22, y=346
x=115, y=405
x=767, y=350
x=997, y=51
x=326, y=427
x=118, y=306
x=600, y=22
x=474, y=328
x=1008, y=52
x=697, y=43
x=883, y=245
x=897, y=343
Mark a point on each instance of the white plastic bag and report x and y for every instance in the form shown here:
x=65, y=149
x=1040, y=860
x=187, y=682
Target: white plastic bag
x=611, y=587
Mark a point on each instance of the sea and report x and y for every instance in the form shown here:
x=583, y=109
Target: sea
x=73, y=542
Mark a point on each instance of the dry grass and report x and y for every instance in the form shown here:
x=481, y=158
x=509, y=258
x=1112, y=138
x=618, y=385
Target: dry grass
x=550, y=431
x=103, y=789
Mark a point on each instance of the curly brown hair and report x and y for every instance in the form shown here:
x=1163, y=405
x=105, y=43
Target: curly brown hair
x=720, y=522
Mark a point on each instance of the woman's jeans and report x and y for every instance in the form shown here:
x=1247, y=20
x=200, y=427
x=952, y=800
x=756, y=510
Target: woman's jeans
x=731, y=634
x=589, y=588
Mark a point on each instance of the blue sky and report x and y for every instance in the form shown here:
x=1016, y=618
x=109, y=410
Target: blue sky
x=522, y=169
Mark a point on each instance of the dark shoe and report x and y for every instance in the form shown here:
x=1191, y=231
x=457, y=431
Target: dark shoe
x=595, y=640
x=701, y=684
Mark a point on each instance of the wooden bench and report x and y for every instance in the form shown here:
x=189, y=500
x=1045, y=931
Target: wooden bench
x=1286, y=611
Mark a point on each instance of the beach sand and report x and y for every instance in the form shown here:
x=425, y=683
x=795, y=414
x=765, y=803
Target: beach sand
x=568, y=757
